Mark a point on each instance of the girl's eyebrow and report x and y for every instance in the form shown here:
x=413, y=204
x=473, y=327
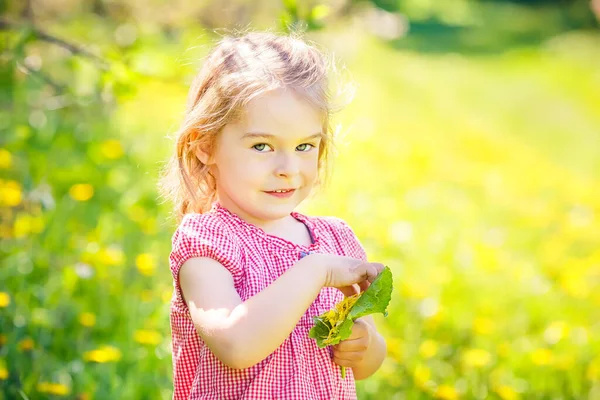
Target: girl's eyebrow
x=264, y=135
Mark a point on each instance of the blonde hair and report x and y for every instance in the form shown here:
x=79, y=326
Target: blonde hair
x=237, y=70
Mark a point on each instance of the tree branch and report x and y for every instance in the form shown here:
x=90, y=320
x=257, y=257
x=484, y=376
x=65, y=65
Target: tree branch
x=45, y=36
x=30, y=71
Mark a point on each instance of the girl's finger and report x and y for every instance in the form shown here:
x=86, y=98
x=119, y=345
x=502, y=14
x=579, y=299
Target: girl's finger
x=364, y=285
x=349, y=356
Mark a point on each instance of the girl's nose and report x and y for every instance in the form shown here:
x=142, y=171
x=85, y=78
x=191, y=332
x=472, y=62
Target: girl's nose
x=287, y=165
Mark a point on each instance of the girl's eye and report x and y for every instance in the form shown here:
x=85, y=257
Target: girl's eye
x=306, y=148
x=260, y=147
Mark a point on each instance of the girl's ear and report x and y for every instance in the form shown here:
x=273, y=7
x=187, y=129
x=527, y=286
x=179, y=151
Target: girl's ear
x=203, y=155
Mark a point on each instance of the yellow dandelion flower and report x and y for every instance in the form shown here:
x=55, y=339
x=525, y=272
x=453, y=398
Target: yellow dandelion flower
x=483, y=326
x=87, y=319
x=26, y=344
x=147, y=337
x=476, y=358
x=446, y=392
x=428, y=348
x=542, y=357
x=11, y=193
x=111, y=149
x=103, y=355
x=145, y=264
x=4, y=299
x=3, y=373
x=394, y=347
x=414, y=290
x=503, y=349
x=575, y=285
x=421, y=375
x=26, y=224
x=148, y=226
x=53, y=388
x=593, y=371
x=506, y=392
x=5, y=159
x=111, y=256
x=81, y=191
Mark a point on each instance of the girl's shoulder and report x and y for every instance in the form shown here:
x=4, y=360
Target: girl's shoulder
x=205, y=235
x=205, y=231
x=207, y=225
x=330, y=224
x=338, y=232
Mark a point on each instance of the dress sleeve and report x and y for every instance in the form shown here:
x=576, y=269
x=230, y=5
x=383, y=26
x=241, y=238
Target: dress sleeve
x=200, y=236
x=350, y=241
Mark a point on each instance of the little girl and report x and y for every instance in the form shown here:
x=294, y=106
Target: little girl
x=249, y=272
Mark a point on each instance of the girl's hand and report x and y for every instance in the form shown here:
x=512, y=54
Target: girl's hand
x=350, y=352
x=345, y=272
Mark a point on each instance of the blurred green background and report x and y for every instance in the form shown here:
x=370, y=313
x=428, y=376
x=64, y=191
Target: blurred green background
x=469, y=162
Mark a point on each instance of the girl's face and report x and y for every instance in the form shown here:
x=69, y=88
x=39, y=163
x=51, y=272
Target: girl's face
x=274, y=146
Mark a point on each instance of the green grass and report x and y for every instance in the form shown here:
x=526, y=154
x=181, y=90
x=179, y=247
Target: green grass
x=474, y=177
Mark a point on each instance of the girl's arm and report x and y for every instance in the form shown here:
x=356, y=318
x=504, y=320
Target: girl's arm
x=241, y=334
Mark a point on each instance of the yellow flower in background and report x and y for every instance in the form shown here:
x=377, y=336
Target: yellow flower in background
x=575, y=285
x=26, y=224
x=53, y=388
x=414, y=290
x=103, y=355
x=394, y=347
x=26, y=344
x=81, y=191
x=148, y=226
x=111, y=256
x=542, y=357
x=4, y=299
x=446, y=392
x=87, y=319
x=476, y=358
x=3, y=373
x=483, y=326
x=111, y=149
x=503, y=349
x=593, y=371
x=147, y=337
x=506, y=392
x=3, y=340
x=421, y=375
x=428, y=348
x=11, y=193
x=145, y=264
x=5, y=159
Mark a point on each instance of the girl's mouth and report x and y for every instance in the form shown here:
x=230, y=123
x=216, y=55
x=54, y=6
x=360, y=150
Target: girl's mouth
x=282, y=194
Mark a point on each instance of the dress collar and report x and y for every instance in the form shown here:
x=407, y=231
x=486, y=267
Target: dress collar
x=219, y=209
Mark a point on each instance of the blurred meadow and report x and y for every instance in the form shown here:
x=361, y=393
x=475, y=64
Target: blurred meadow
x=469, y=162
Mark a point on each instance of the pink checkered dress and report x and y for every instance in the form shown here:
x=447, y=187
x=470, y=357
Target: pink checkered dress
x=298, y=369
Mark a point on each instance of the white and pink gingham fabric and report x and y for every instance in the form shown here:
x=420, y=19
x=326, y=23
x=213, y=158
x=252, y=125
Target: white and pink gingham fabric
x=298, y=369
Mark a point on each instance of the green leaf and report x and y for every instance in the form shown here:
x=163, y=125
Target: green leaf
x=320, y=331
x=376, y=298
x=335, y=325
